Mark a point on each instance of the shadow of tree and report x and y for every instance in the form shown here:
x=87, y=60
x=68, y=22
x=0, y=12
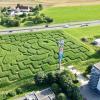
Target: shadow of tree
x=96, y=55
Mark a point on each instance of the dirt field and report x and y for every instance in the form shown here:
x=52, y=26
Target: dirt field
x=49, y=2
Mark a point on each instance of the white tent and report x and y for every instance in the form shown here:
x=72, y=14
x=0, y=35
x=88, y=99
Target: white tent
x=97, y=41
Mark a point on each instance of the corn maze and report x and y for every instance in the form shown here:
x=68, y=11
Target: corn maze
x=23, y=55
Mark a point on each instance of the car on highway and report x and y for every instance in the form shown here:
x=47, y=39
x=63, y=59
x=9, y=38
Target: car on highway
x=46, y=25
x=10, y=31
x=84, y=24
x=66, y=26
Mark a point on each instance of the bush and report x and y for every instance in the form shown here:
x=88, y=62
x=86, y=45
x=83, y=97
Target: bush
x=3, y=97
x=61, y=96
x=28, y=23
x=51, y=78
x=39, y=78
x=11, y=94
x=88, y=70
x=55, y=87
x=48, y=20
x=84, y=39
x=19, y=91
x=9, y=22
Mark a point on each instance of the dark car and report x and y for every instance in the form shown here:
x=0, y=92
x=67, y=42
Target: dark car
x=10, y=31
x=46, y=25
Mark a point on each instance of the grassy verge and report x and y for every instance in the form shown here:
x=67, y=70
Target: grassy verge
x=91, y=33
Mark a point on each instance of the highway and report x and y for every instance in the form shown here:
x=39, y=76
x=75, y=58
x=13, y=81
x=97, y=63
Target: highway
x=50, y=27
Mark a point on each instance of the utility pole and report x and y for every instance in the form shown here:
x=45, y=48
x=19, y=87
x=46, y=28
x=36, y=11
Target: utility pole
x=61, y=46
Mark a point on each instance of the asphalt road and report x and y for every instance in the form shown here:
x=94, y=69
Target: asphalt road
x=50, y=27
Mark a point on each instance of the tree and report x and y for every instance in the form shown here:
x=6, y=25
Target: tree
x=9, y=22
x=37, y=20
x=48, y=20
x=75, y=95
x=39, y=78
x=61, y=96
x=23, y=15
x=88, y=69
x=40, y=7
x=51, y=77
x=4, y=9
x=55, y=87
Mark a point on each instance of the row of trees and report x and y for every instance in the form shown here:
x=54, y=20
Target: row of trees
x=9, y=22
x=63, y=84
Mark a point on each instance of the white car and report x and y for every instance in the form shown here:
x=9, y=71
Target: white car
x=84, y=24
x=66, y=26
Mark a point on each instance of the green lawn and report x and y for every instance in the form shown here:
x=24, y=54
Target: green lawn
x=76, y=13
x=91, y=33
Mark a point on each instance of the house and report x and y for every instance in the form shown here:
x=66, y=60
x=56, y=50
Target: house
x=21, y=8
x=46, y=94
x=94, y=81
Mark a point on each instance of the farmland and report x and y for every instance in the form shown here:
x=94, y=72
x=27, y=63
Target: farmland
x=71, y=14
x=23, y=55
x=49, y=2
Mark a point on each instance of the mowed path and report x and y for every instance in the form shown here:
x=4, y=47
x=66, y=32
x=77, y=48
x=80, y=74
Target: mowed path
x=49, y=2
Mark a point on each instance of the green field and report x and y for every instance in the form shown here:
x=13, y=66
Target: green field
x=23, y=55
x=70, y=14
x=91, y=33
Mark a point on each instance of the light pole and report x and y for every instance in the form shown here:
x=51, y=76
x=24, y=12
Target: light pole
x=61, y=45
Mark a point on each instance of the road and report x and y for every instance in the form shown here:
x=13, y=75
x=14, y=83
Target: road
x=50, y=27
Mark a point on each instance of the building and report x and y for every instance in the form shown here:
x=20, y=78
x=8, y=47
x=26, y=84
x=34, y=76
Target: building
x=94, y=81
x=97, y=42
x=21, y=8
x=46, y=94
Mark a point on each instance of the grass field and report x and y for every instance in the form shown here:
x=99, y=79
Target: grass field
x=23, y=55
x=71, y=14
x=91, y=33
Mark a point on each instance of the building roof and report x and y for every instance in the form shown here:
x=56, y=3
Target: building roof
x=21, y=6
x=97, y=65
x=46, y=94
